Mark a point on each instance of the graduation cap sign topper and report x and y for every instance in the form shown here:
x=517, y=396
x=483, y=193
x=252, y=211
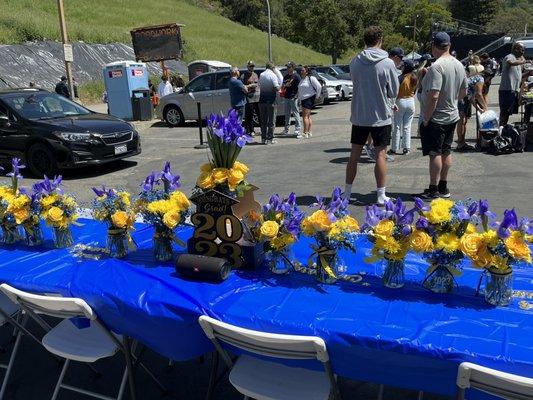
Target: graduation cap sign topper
x=217, y=230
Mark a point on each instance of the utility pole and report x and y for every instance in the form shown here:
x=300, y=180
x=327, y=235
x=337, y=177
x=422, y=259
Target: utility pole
x=67, y=47
x=269, y=32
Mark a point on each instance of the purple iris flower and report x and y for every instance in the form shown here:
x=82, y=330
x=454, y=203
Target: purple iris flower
x=419, y=205
x=510, y=219
x=422, y=223
x=407, y=218
x=526, y=226
x=47, y=186
x=462, y=212
x=16, y=166
x=149, y=182
x=472, y=208
x=406, y=230
x=372, y=216
x=292, y=199
x=104, y=191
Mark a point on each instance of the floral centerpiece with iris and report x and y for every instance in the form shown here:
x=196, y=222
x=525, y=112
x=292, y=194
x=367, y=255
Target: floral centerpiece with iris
x=437, y=235
x=19, y=208
x=333, y=229
x=389, y=230
x=498, y=248
x=226, y=137
x=162, y=205
x=59, y=210
x=115, y=209
x=279, y=226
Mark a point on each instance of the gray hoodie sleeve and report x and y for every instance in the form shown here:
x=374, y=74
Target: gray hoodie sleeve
x=394, y=84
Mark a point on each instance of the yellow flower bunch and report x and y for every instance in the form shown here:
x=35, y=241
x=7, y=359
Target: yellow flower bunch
x=385, y=244
x=59, y=211
x=440, y=211
x=19, y=208
x=319, y=222
x=282, y=241
x=448, y=242
x=170, y=210
x=517, y=247
x=211, y=177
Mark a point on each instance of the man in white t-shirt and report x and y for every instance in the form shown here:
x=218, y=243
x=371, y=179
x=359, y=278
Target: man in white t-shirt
x=269, y=85
x=164, y=87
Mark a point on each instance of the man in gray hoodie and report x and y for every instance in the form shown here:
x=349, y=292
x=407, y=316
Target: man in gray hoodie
x=375, y=87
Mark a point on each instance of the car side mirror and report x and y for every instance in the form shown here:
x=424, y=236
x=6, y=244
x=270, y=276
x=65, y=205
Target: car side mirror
x=4, y=122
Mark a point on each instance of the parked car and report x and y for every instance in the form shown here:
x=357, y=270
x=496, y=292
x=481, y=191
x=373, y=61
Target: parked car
x=51, y=132
x=333, y=70
x=333, y=87
x=346, y=86
x=344, y=67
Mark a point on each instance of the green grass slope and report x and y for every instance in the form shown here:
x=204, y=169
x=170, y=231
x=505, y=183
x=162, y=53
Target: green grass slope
x=206, y=34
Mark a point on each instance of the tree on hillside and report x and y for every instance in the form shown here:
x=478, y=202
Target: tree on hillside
x=512, y=21
x=321, y=26
x=479, y=12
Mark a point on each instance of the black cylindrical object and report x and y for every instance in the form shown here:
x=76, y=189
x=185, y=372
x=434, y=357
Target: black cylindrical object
x=200, y=131
x=141, y=105
x=202, y=268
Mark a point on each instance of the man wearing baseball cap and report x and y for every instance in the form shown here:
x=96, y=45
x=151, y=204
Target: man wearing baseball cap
x=251, y=80
x=396, y=54
x=442, y=87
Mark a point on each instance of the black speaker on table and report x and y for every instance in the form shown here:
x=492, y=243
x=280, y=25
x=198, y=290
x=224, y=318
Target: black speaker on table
x=202, y=268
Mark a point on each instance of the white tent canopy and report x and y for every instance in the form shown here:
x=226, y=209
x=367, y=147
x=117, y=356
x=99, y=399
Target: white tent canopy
x=412, y=55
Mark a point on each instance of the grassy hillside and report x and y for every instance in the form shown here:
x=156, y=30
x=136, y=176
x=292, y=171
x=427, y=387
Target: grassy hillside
x=206, y=35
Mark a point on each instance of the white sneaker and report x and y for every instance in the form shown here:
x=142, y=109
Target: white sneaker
x=306, y=135
x=273, y=141
x=285, y=133
x=299, y=136
x=382, y=200
x=310, y=134
x=297, y=133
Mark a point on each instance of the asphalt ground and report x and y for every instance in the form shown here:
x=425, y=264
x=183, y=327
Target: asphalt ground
x=307, y=167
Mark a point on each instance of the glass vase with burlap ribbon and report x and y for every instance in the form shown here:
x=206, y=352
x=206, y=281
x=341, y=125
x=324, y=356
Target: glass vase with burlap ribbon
x=326, y=261
x=163, y=239
x=119, y=242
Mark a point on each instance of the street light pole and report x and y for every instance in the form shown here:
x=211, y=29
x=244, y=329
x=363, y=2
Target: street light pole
x=64, y=39
x=269, y=32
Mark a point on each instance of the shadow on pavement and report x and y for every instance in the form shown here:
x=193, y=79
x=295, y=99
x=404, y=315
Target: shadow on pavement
x=338, y=150
x=97, y=170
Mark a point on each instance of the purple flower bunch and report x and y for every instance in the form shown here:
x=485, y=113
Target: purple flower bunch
x=151, y=186
x=286, y=212
x=228, y=128
x=336, y=208
x=47, y=187
x=510, y=223
x=15, y=174
x=394, y=211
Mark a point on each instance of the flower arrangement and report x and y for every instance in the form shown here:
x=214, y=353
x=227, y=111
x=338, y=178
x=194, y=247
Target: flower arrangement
x=58, y=210
x=162, y=205
x=279, y=225
x=14, y=205
x=115, y=209
x=437, y=235
x=226, y=137
x=333, y=229
x=389, y=230
x=497, y=249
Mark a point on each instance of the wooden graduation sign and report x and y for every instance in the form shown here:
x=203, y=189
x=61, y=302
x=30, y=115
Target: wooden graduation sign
x=216, y=229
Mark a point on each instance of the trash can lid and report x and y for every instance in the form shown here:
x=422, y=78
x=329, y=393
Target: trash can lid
x=125, y=63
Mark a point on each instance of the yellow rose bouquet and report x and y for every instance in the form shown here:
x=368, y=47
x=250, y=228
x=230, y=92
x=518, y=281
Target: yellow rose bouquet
x=115, y=209
x=389, y=229
x=226, y=138
x=58, y=210
x=437, y=236
x=496, y=249
x=14, y=206
x=333, y=229
x=162, y=205
x=279, y=226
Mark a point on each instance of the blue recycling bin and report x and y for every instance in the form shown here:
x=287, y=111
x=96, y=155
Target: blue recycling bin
x=121, y=79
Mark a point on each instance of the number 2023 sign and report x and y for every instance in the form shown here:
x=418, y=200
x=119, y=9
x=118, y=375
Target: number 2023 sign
x=216, y=229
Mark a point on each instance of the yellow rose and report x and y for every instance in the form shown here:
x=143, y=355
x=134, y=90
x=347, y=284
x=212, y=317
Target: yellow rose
x=471, y=244
x=420, y=241
x=440, y=211
x=235, y=177
x=517, y=247
x=351, y=223
x=448, y=242
x=384, y=228
x=239, y=166
x=320, y=220
x=180, y=199
x=55, y=214
x=269, y=229
x=220, y=175
x=121, y=219
x=208, y=167
x=21, y=215
x=307, y=227
x=205, y=180
x=171, y=219
x=483, y=258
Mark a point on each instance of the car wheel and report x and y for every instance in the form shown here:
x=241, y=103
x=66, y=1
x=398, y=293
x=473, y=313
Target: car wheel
x=41, y=161
x=173, y=116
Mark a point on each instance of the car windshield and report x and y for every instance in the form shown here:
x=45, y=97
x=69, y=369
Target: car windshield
x=328, y=77
x=43, y=105
x=344, y=68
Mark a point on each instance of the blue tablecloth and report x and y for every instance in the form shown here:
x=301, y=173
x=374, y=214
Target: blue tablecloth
x=408, y=338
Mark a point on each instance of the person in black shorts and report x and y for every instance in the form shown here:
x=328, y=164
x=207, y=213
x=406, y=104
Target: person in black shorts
x=375, y=86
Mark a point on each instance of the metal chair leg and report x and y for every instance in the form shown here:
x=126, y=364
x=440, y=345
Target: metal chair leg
x=212, y=376
x=420, y=395
x=10, y=364
x=123, y=382
x=151, y=375
x=129, y=367
x=380, y=392
x=61, y=377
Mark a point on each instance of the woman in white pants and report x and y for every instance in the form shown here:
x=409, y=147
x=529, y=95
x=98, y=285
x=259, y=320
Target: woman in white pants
x=405, y=110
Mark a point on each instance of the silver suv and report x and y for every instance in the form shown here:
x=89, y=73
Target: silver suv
x=210, y=90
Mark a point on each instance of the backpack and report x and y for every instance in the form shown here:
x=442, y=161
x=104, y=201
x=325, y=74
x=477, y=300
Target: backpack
x=516, y=135
x=500, y=145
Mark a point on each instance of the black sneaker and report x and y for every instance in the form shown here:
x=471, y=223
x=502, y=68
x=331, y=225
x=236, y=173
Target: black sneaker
x=428, y=194
x=444, y=193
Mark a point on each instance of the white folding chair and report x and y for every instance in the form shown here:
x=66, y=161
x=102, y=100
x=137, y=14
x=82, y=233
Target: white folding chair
x=8, y=312
x=500, y=384
x=85, y=345
x=267, y=380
